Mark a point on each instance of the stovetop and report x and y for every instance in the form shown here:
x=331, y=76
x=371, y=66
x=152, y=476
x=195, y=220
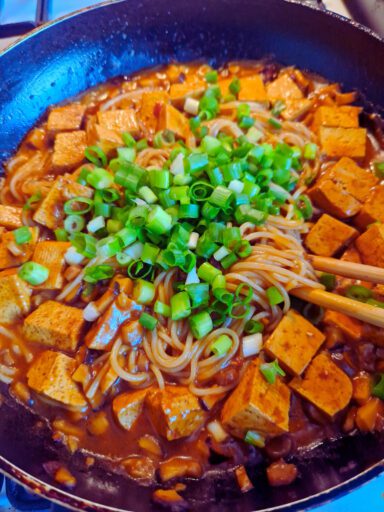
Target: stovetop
x=17, y=17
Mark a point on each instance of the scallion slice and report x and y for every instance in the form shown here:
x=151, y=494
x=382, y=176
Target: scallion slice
x=33, y=273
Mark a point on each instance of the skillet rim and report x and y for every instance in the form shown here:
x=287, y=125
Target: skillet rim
x=73, y=502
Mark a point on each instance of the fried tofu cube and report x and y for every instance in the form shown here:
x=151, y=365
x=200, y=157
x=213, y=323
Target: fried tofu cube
x=356, y=181
x=349, y=326
x=339, y=141
x=51, y=255
x=174, y=411
x=294, y=342
x=108, y=140
x=55, y=325
x=283, y=88
x=329, y=235
x=371, y=245
x=295, y=109
x=324, y=385
x=50, y=212
x=7, y=258
x=15, y=299
x=119, y=121
x=334, y=199
x=67, y=118
x=103, y=332
x=172, y=119
x=51, y=375
x=128, y=407
x=68, y=150
x=252, y=88
x=179, y=92
x=150, y=106
x=344, y=117
x=257, y=405
x=373, y=209
x=132, y=333
x=10, y=216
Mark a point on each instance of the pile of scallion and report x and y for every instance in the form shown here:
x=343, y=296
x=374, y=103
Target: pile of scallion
x=186, y=215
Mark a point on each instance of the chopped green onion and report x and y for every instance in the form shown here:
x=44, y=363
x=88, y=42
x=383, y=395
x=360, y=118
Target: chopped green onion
x=358, y=292
x=163, y=138
x=143, y=291
x=97, y=273
x=148, y=195
x=378, y=388
x=150, y=253
x=73, y=206
x=229, y=260
x=126, y=236
x=109, y=195
x=128, y=140
x=198, y=293
x=200, y=324
x=160, y=179
x=61, y=235
x=278, y=108
x=33, y=273
x=22, y=235
x=208, y=272
x=221, y=345
x=253, y=327
x=31, y=201
x=74, y=223
x=99, y=178
x=374, y=302
x=219, y=282
x=328, y=280
x=96, y=155
x=305, y=206
x=84, y=244
x=310, y=151
x=274, y=296
x=234, y=86
x=221, y=197
x=126, y=154
x=162, y=309
x=159, y=221
x=137, y=269
x=379, y=169
x=239, y=293
x=211, y=76
x=271, y=370
x=254, y=438
x=239, y=310
x=148, y=321
x=180, y=306
x=275, y=123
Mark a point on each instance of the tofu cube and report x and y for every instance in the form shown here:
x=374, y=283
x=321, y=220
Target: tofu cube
x=179, y=92
x=132, y=333
x=119, y=121
x=324, y=385
x=328, y=236
x=149, y=110
x=108, y=140
x=373, y=209
x=10, y=216
x=371, y=245
x=103, y=332
x=252, y=88
x=334, y=199
x=15, y=298
x=257, y=405
x=7, y=258
x=174, y=411
x=51, y=255
x=283, y=88
x=68, y=151
x=295, y=109
x=67, y=118
x=339, y=141
x=294, y=342
x=351, y=327
x=127, y=407
x=55, y=325
x=344, y=117
x=356, y=181
x=172, y=119
x=50, y=212
x=50, y=374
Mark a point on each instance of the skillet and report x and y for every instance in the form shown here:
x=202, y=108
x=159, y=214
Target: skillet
x=70, y=55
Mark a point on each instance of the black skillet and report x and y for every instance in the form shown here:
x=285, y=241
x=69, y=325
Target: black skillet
x=68, y=56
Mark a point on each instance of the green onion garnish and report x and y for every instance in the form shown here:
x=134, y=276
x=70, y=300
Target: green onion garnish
x=221, y=345
x=99, y=178
x=22, y=235
x=254, y=438
x=148, y=321
x=200, y=324
x=274, y=296
x=310, y=151
x=162, y=309
x=74, y=223
x=143, y=291
x=96, y=155
x=271, y=370
x=33, y=273
x=78, y=206
x=378, y=388
x=180, y=306
x=31, y=201
x=97, y=273
x=211, y=76
x=253, y=327
x=358, y=292
x=328, y=280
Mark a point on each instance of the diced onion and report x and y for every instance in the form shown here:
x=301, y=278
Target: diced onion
x=221, y=253
x=192, y=277
x=236, y=186
x=191, y=106
x=193, y=239
x=96, y=224
x=72, y=257
x=177, y=166
x=252, y=344
x=90, y=312
x=216, y=430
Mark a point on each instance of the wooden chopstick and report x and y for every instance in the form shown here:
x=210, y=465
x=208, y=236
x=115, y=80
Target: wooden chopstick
x=348, y=269
x=365, y=312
